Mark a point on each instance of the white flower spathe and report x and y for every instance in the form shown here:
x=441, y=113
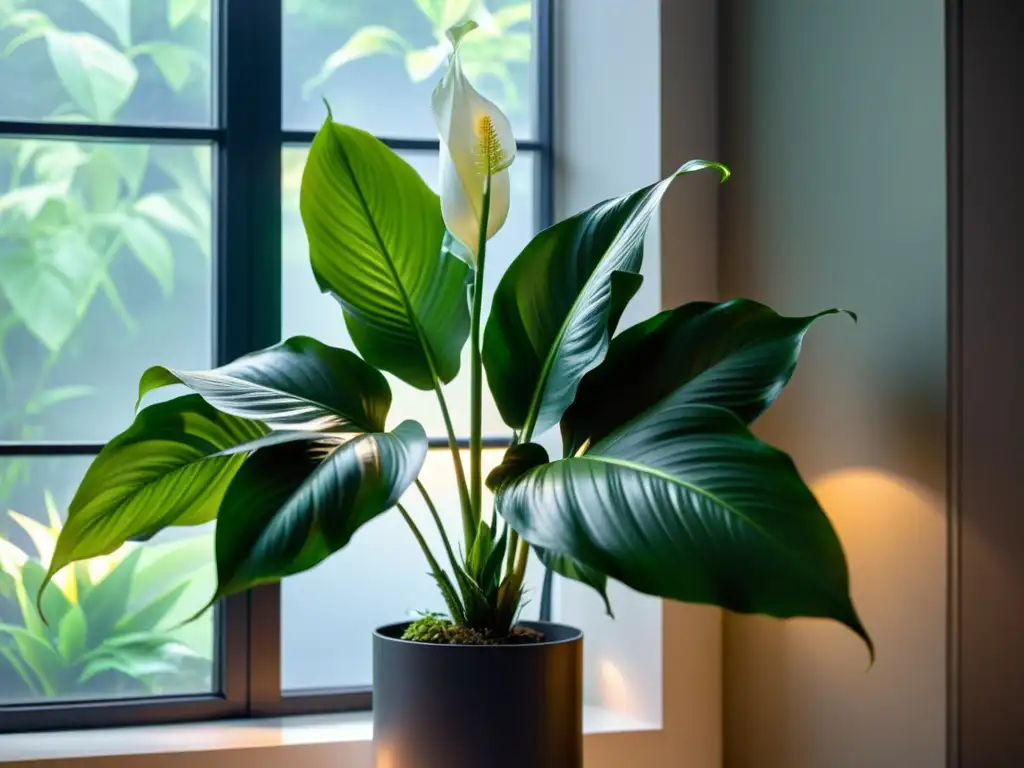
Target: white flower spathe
x=476, y=142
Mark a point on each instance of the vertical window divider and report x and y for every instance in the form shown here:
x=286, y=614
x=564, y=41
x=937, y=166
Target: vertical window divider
x=544, y=176
x=247, y=288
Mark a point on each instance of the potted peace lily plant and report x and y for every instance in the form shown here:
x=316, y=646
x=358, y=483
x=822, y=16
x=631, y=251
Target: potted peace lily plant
x=660, y=484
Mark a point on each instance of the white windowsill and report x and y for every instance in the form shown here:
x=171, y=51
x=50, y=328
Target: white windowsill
x=347, y=734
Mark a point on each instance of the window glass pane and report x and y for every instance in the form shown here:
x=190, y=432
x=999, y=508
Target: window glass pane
x=113, y=621
x=329, y=613
x=104, y=270
x=352, y=52
x=306, y=311
x=133, y=61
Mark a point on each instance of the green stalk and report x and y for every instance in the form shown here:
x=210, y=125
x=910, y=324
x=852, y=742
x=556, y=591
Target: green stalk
x=510, y=557
x=468, y=523
x=443, y=582
x=440, y=525
x=476, y=482
x=521, y=561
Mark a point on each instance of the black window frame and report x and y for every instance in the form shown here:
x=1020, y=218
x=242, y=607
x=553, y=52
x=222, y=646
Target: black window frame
x=246, y=139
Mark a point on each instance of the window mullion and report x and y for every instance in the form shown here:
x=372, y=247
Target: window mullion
x=248, y=284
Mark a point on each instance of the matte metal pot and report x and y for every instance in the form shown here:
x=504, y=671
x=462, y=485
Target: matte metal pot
x=490, y=706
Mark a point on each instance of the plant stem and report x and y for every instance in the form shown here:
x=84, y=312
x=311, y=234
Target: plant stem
x=447, y=590
x=468, y=525
x=521, y=561
x=440, y=525
x=476, y=482
x=510, y=557
x=419, y=537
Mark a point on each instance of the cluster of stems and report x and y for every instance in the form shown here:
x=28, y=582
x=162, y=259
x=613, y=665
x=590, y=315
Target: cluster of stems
x=471, y=491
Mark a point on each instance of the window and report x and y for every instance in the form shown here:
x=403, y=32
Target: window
x=148, y=214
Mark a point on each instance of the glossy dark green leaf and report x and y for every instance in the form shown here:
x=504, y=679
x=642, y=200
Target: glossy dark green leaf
x=565, y=566
x=518, y=460
x=161, y=471
x=375, y=234
x=685, y=503
x=292, y=505
x=738, y=354
x=282, y=436
x=297, y=384
x=555, y=308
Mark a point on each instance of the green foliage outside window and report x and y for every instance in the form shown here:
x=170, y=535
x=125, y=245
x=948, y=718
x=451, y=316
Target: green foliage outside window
x=113, y=623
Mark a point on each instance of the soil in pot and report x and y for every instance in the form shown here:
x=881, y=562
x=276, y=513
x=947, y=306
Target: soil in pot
x=435, y=629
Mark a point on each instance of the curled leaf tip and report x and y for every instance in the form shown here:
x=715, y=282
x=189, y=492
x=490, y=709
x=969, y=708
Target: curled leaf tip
x=459, y=31
x=330, y=114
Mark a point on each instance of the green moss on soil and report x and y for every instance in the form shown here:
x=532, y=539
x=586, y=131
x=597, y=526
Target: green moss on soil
x=440, y=631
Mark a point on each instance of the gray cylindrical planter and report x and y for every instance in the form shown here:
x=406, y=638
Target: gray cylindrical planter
x=493, y=706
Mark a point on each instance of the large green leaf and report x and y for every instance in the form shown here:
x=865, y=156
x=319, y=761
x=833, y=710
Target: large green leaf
x=290, y=506
x=375, y=233
x=49, y=284
x=96, y=75
x=556, y=307
x=685, y=503
x=297, y=384
x=159, y=472
x=738, y=355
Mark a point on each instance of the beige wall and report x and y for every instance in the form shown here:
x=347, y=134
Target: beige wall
x=834, y=127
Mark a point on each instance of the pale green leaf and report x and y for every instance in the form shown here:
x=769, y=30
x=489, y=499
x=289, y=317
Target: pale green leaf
x=55, y=395
x=179, y=11
x=367, y=41
x=168, y=210
x=173, y=61
x=151, y=248
x=97, y=76
x=422, y=63
x=116, y=14
x=29, y=200
x=443, y=14
x=510, y=15
x=50, y=288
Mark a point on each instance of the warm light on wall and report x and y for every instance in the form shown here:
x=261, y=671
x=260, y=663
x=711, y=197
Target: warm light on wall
x=891, y=529
x=385, y=758
x=614, y=691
